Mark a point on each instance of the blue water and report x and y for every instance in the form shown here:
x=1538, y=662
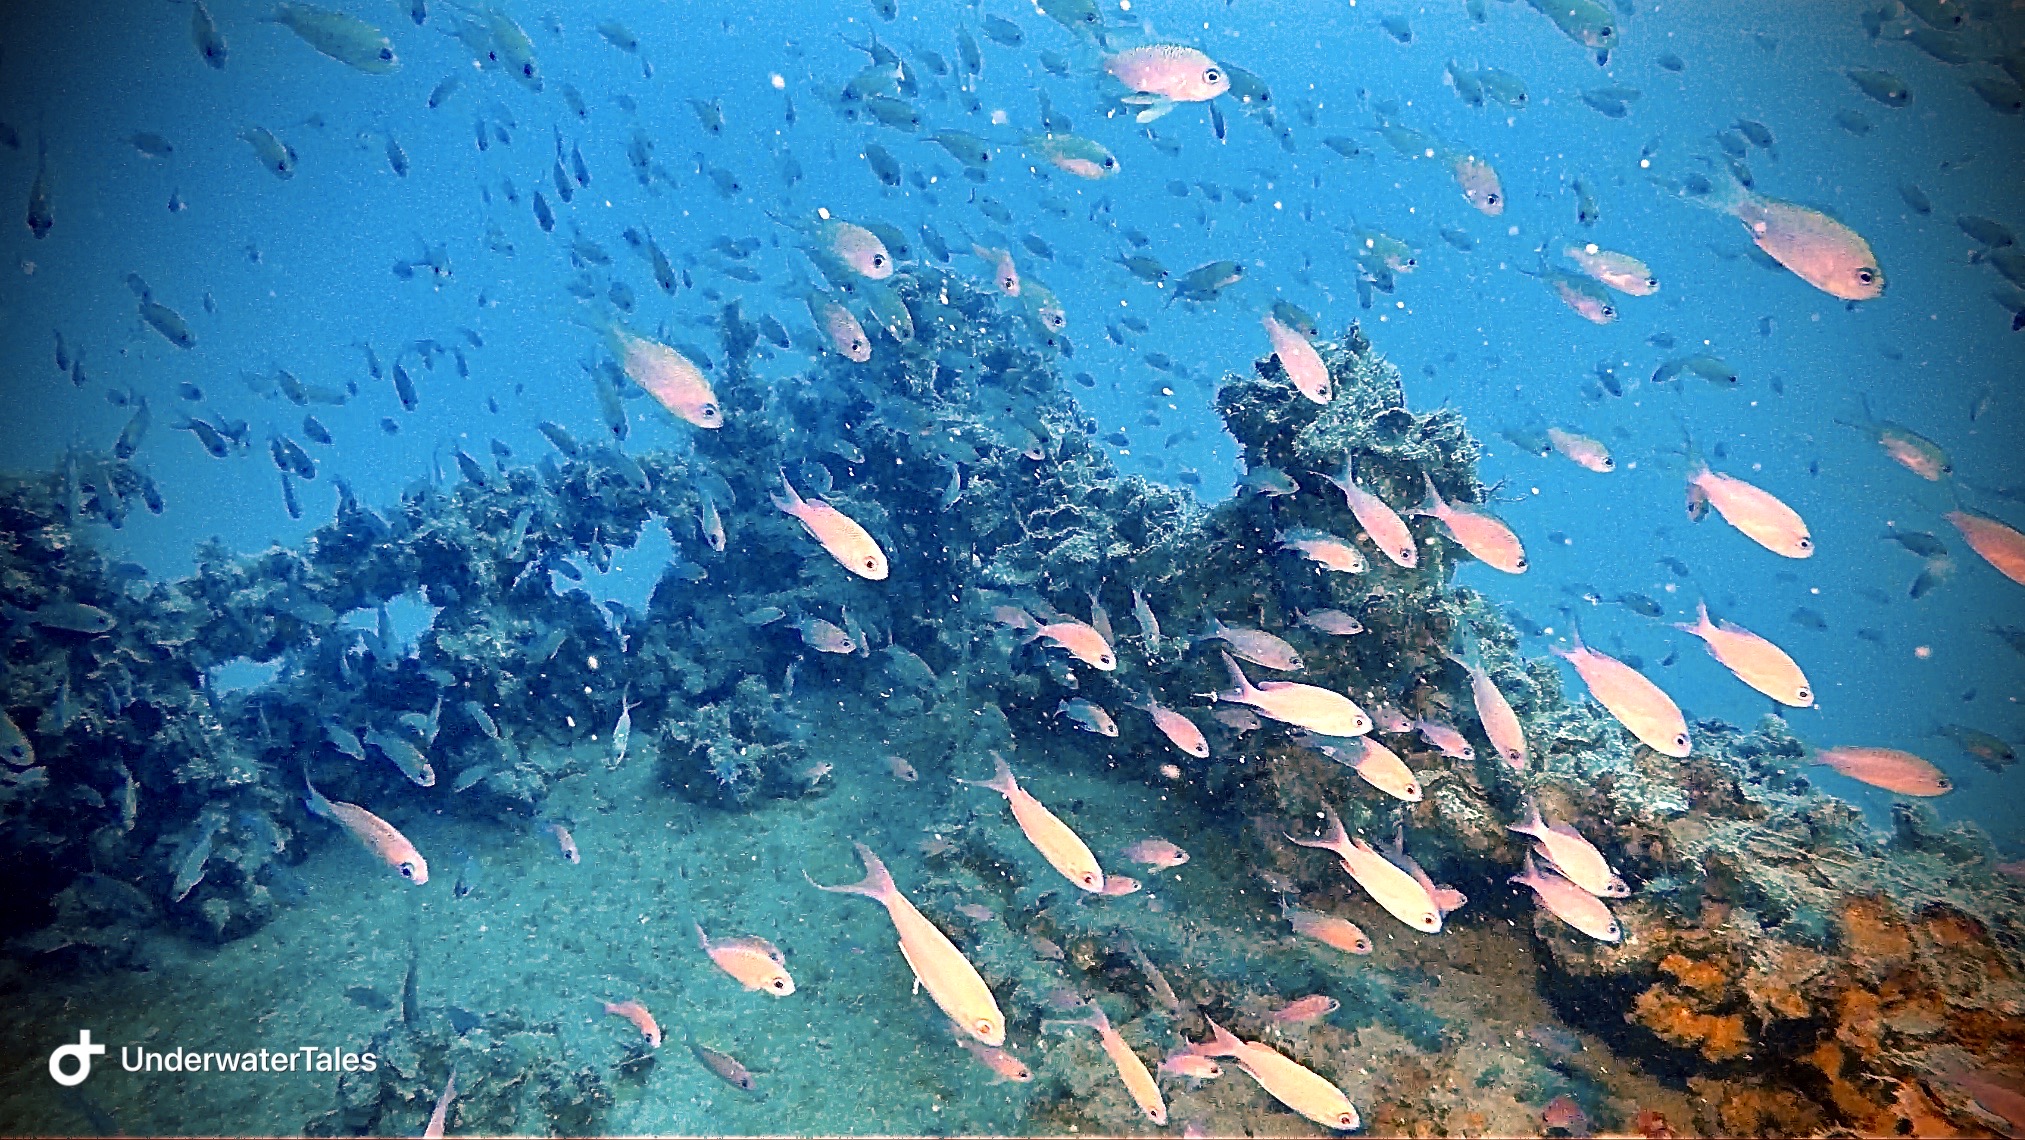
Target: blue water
x=301, y=271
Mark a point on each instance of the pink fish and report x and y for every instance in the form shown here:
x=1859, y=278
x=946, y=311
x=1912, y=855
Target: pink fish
x=1569, y=903
x=1179, y=730
x=1309, y=1008
x=1446, y=738
x=1485, y=537
x=1156, y=853
x=1381, y=522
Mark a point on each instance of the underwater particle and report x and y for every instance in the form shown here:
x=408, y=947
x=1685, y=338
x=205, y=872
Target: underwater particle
x=753, y=962
x=637, y=1014
x=1288, y=1081
x=1064, y=850
x=1887, y=768
x=1568, y=902
x=939, y=967
x=1639, y=705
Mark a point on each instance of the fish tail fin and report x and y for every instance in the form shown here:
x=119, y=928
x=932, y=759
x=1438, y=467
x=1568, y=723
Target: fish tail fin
x=1527, y=873
x=315, y=800
x=1001, y=780
x=1433, y=504
x=702, y=939
x=878, y=881
x=1241, y=686
x=1223, y=1044
x=793, y=501
x=1533, y=824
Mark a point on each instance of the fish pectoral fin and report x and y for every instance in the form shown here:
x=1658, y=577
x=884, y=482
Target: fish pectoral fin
x=1154, y=110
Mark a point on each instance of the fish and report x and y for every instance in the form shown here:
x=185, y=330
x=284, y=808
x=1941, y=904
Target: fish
x=850, y=544
x=439, y=1117
x=1389, y=885
x=1082, y=641
x=1445, y=738
x=1072, y=154
x=1886, y=768
x=1990, y=751
x=204, y=33
x=641, y=1020
x=15, y=747
x=1818, y=249
x=1158, y=854
x=1288, y=1081
x=1478, y=182
x=1302, y=1010
x=1585, y=452
x=1574, y=857
x=1088, y=716
x=1762, y=517
x=1064, y=850
x=1390, y=532
x=825, y=637
x=1178, y=729
x=404, y=755
x=1162, y=76
x=2003, y=547
x=1568, y=902
x=1484, y=536
x=1131, y=1070
x=342, y=37
x=1333, y=622
x=1004, y=1066
x=938, y=966
x=898, y=767
x=1380, y=767
x=1755, y=661
x=1620, y=271
x=1642, y=707
x=1184, y=1062
x=1494, y=712
x=755, y=963
x=565, y=843
x=1299, y=360
x=1882, y=86
x=1906, y=447
x=373, y=833
x=275, y=155
x=1253, y=645
x=1329, y=930
x=1149, y=625
x=724, y=1065
x=69, y=617
x=667, y=375
x=1323, y=548
x=1304, y=706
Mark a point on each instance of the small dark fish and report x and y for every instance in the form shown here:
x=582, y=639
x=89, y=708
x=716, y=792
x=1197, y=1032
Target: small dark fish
x=1882, y=86
x=370, y=998
x=1919, y=542
x=1808, y=619
x=1915, y=198
x=1397, y=28
x=724, y=1065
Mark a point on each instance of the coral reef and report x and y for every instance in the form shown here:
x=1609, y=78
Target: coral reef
x=1796, y=971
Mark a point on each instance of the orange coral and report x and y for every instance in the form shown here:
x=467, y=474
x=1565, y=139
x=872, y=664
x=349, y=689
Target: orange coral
x=1876, y=938
x=1703, y=976
x=1721, y=1037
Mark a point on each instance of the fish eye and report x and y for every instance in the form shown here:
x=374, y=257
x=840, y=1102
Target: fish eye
x=1345, y=1120
x=1806, y=543
x=1609, y=312
x=780, y=983
x=1212, y=76
x=1804, y=694
x=1607, y=32
x=871, y=563
x=983, y=1025
x=710, y=411
x=1522, y=563
x=1944, y=783
x=1109, y=162
x=527, y=69
x=1409, y=263
x=1866, y=276
x=1491, y=199
x=386, y=53
x=407, y=870
x=1680, y=740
